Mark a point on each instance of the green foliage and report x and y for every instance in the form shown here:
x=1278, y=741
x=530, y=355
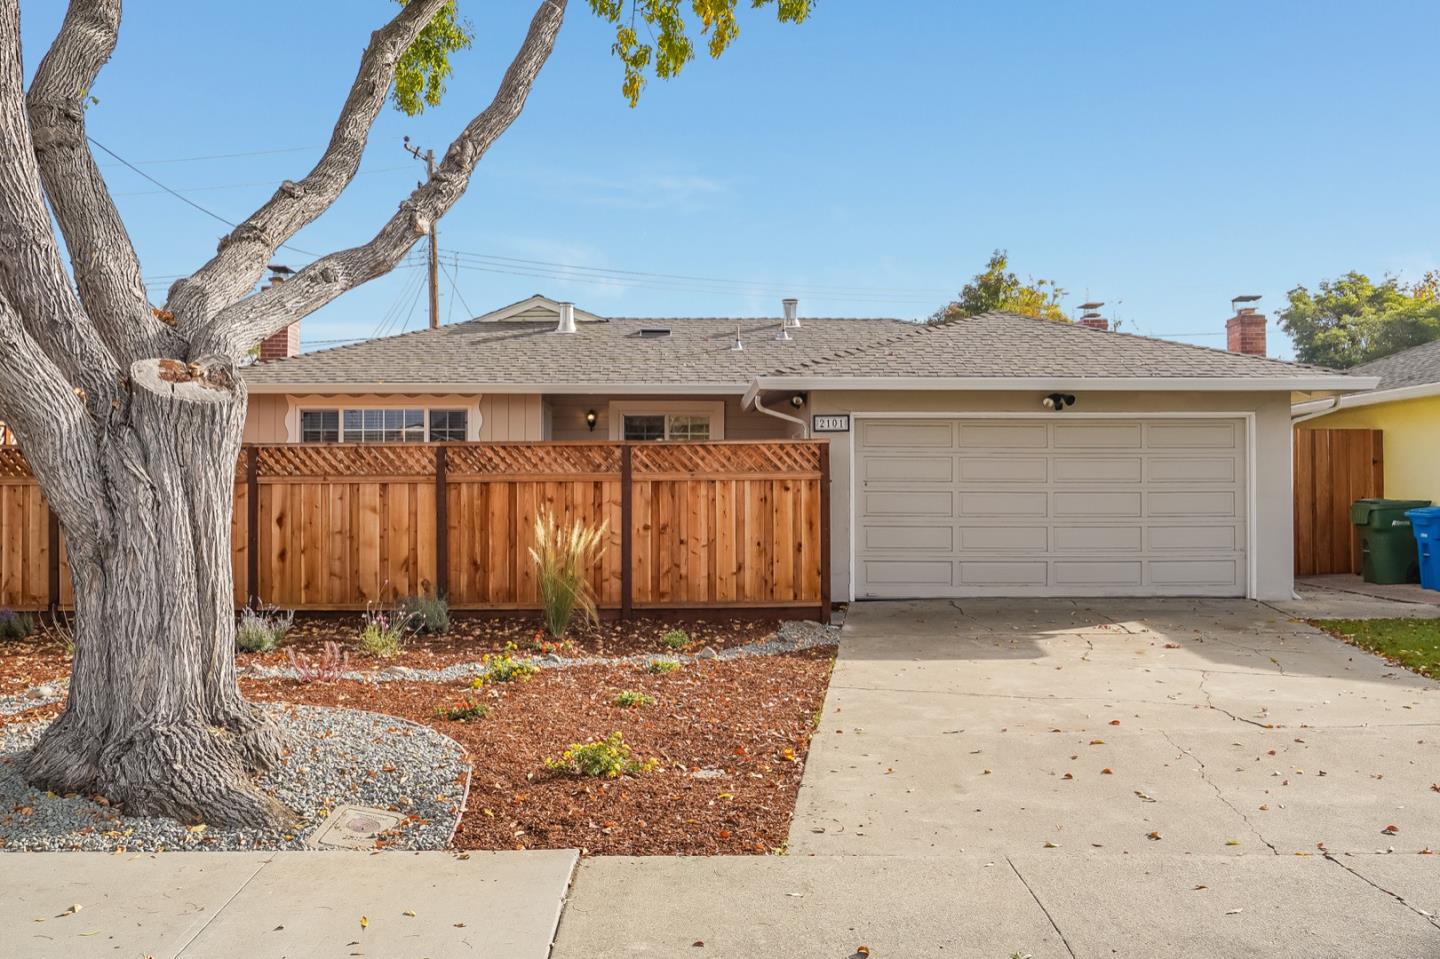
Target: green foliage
x=261, y=630
x=671, y=47
x=661, y=667
x=503, y=668
x=15, y=625
x=425, y=65
x=633, y=699
x=676, y=639
x=1413, y=643
x=608, y=757
x=383, y=634
x=996, y=288
x=463, y=710
x=1352, y=320
x=427, y=614
x=564, y=553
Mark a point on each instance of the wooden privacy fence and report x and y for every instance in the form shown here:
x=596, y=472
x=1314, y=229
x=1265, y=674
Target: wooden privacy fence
x=1333, y=468
x=738, y=525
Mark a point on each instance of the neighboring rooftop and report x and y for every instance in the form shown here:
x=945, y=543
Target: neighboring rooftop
x=1007, y=344
x=1417, y=366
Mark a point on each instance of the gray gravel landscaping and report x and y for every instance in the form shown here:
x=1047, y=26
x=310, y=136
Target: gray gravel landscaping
x=339, y=756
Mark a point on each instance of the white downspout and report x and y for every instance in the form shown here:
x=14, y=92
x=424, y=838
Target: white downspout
x=804, y=427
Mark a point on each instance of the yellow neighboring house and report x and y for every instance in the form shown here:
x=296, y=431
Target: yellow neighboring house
x=1406, y=406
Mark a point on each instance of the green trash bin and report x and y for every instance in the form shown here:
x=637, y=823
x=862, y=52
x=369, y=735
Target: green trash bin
x=1386, y=543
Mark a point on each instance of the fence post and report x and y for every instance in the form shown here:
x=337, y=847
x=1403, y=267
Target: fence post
x=53, y=570
x=825, y=532
x=627, y=572
x=252, y=526
x=442, y=523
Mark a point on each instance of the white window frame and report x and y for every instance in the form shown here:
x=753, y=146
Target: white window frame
x=297, y=405
x=619, y=409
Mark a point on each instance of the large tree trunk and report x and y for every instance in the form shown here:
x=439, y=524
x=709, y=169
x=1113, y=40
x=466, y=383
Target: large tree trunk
x=155, y=721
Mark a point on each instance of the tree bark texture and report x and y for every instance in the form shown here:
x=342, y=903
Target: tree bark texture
x=131, y=417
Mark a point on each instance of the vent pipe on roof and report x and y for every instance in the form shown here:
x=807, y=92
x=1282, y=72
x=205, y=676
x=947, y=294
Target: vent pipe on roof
x=783, y=334
x=792, y=322
x=567, y=318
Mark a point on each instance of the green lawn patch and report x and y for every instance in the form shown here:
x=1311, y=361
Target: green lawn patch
x=1413, y=643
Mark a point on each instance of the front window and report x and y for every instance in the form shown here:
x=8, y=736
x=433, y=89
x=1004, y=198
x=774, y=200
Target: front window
x=678, y=427
x=644, y=428
x=383, y=426
x=694, y=429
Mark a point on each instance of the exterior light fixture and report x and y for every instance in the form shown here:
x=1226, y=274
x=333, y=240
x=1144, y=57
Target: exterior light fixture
x=1058, y=401
x=591, y=418
x=798, y=400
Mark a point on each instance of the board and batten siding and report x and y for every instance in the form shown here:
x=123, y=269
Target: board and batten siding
x=1272, y=543
x=567, y=416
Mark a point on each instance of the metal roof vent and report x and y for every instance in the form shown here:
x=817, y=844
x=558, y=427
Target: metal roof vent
x=653, y=332
x=739, y=345
x=792, y=322
x=567, y=318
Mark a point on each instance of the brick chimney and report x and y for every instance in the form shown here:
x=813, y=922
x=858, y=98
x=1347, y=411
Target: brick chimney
x=1090, y=316
x=282, y=345
x=1245, y=332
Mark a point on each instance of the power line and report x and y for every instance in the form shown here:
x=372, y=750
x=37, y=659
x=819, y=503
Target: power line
x=454, y=292
x=219, y=156
x=180, y=196
x=236, y=186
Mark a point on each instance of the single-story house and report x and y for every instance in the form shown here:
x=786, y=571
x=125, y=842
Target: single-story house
x=994, y=455
x=1405, y=406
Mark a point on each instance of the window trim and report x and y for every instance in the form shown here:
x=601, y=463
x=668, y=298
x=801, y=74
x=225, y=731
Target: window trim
x=619, y=409
x=297, y=405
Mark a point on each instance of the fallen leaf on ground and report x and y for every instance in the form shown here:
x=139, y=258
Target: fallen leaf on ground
x=1233, y=912
x=364, y=922
x=1152, y=835
x=1390, y=830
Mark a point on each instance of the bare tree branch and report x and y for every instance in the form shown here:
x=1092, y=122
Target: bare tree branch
x=236, y=328
x=107, y=270
x=50, y=424
x=241, y=258
x=32, y=275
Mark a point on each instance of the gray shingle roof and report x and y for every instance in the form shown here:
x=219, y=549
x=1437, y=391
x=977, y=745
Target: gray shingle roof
x=697, y=351
x=1005, y=344
x=1417, y=366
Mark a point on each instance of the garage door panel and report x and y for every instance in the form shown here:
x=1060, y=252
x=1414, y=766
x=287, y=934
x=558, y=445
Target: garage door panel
x=909, y=503
x=1002, y=573
x=882, y=434
x=1055, y=506
x=1003, y=503
x=1093, y=503
x=909, y=469
x=1193, y=469
x=1088, y=538
x=1003, y=436
x=1004, y=538
x=1098, y=469
x=919, y=538
x=1004, y=469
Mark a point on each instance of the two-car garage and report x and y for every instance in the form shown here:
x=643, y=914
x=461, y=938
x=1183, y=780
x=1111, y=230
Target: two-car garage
x=1057, y=505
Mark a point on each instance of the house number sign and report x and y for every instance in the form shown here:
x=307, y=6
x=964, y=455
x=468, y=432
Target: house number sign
x=831, y=423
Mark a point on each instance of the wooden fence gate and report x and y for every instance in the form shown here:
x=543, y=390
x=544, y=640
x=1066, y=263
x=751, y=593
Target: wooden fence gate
x=1333, y=468
x=738, y=525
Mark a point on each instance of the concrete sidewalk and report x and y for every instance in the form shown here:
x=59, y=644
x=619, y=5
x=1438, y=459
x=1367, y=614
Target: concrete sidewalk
x=296, y=905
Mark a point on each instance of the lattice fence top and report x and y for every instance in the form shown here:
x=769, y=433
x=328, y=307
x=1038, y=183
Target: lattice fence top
x=534, y=458
x=335, y=460
x=702, y=458
x=12, y=463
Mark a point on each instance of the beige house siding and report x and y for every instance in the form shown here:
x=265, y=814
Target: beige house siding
x=567, y=416
x=1271, y=549
x=496, y=418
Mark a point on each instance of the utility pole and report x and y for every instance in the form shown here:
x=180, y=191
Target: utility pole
x=429, y=157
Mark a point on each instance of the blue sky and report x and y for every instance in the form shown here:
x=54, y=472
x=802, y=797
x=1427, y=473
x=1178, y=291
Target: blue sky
x=1162, y=157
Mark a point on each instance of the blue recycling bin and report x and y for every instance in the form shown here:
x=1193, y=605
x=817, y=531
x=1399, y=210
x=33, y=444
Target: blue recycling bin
x=1425, y=524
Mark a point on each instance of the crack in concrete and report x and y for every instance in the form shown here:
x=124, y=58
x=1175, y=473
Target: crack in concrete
x=1434, y=921
x=1205, y=777
x=1210, y=702
x=1053, y=924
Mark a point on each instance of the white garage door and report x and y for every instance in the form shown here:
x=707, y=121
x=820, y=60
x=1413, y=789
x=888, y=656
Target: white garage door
x=1059, y=506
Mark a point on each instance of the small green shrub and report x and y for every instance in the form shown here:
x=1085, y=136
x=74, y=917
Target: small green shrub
x=503, y=668
x=633, y=699
x=608, y=757
x=662, y=666
x=383, y=634
x=564, y=553
x=261, y=630
x=463, y=710
x=676, y=639
x=15, y=625
x=428, y=614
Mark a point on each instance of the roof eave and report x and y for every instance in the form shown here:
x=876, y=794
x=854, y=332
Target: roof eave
x=1371, y=398
x=645, y=389
x=1301, y=383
